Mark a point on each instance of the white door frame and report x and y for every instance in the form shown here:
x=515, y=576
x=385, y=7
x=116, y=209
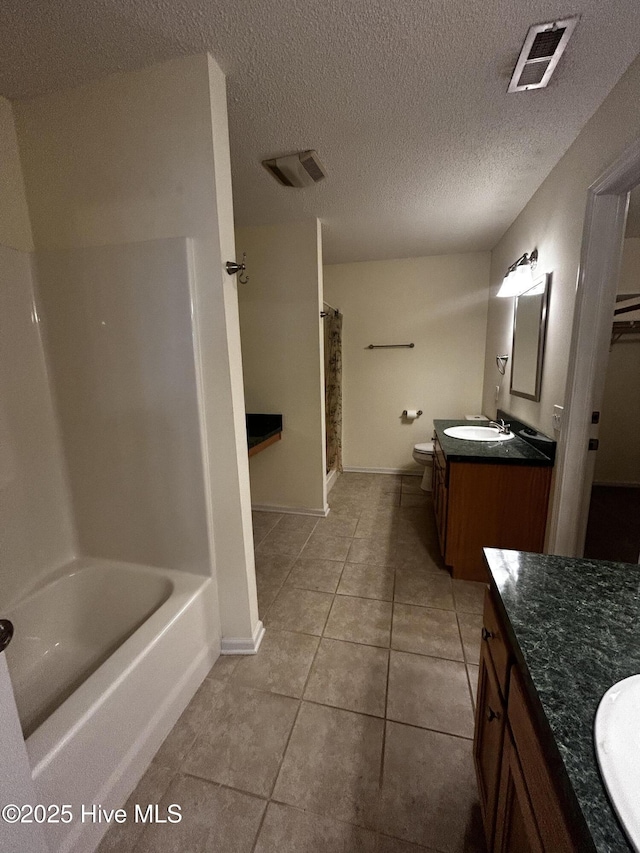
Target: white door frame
x=600, y=258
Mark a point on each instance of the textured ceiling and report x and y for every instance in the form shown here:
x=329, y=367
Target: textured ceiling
x=405, y=101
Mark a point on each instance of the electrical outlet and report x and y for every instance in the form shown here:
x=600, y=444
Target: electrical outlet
x=497, y=396
x=556, y=418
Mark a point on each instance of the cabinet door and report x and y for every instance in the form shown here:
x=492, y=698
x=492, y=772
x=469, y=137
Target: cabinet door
x=555, y=831
x=440, y=499
x=488, y=738
x=516, y=827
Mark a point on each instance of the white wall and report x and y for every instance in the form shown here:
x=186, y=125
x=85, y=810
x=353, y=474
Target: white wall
x=282, y=358
x=35, y=517
x=618, y=457
x=440, y=304
x=553, y=222
x=122, y=159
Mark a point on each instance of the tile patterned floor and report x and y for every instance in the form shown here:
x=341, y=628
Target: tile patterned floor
x=350, y=731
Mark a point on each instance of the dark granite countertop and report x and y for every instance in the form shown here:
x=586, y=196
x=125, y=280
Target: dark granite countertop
x=261, y=427
x=575, y=628
x=516, y=451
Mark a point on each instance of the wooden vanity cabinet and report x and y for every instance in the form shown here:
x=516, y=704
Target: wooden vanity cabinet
x=520, y=807
x=485, y=504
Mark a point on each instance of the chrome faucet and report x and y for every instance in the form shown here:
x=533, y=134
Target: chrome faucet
x=501, y=427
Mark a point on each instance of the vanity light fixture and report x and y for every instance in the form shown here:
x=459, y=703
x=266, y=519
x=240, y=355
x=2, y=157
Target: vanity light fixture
x=519, y=276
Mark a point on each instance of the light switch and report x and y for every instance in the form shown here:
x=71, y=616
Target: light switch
x=556, y=418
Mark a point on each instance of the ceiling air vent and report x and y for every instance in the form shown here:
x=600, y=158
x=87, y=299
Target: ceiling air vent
x=296, y=170
x=541, y=52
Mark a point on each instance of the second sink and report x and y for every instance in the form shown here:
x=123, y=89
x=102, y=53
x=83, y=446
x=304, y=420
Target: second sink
x=478, y=433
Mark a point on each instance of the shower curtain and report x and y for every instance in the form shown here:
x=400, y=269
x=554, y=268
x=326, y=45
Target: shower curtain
x=333, y=391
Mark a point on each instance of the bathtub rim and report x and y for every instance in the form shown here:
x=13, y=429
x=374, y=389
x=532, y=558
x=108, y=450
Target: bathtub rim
x=46, y=742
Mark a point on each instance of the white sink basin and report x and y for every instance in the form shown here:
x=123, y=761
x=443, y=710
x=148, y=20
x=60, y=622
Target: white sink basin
x=478, y=433
x=617, y=737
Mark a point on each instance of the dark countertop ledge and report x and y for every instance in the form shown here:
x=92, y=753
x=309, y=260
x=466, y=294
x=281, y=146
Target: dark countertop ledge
x=261, y=427
x=516, y=451
x=574, y=625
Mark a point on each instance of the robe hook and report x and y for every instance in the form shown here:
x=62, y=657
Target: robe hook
x=232, y=268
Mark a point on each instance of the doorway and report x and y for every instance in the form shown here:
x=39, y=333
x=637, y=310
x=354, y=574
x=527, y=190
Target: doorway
x=613, y=531
x=600, y=261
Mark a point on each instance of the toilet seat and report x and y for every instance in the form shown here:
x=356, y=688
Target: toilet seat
x=426, y=448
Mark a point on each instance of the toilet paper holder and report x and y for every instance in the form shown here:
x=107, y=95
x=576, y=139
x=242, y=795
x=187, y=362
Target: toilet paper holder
x=418, y=413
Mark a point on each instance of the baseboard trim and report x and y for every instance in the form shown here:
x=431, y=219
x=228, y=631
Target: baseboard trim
x=243, y=645
x=410, y=472
x=291, y=510
x=332, y=476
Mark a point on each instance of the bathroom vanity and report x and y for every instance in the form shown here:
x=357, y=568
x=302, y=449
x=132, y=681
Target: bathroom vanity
x=557, y=633
x=488, y=494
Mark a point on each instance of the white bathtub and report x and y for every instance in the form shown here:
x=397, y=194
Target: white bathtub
x=104, y=658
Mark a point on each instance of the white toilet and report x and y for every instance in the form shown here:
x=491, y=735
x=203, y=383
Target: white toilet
x=423, y=455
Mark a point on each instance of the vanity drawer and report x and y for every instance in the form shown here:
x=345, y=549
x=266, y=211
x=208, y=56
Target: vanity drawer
x=494, y=640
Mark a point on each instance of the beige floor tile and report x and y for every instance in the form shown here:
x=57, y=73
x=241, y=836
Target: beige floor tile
x=427, y=589
x=273, y=567
x=470, y=629
x=468, y=596
x=224, y=666
x=349, y=676
x=263, y=523
x=268, y=590
x=332, y=764
x=394, y=845
x=243, y=739
x=281, y=665
x=327, y=546
x=430, y=692
x=426, y=631
x=411, y=485
x=345, y=504
x=302, y=610
x=377, y=524
x=293, y=523
x=321, y=575
x=418, y=521
x=412, y=552
x=387, y=482
x=289, y=830
x=376, y=499
x=337, y=524
x=429, y=793
x=283, y=541
x=123, y=837
x=414, y=499
x=421, y=535
x=360, y=620
x=375, y=552
x=365, y=581
x=473, y=681
x=213, y=819
x=190, y=723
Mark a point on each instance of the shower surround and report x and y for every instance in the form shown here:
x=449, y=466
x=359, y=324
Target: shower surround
x=109, y=647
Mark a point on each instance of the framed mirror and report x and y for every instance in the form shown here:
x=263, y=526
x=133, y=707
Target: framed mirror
x=529, y=327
